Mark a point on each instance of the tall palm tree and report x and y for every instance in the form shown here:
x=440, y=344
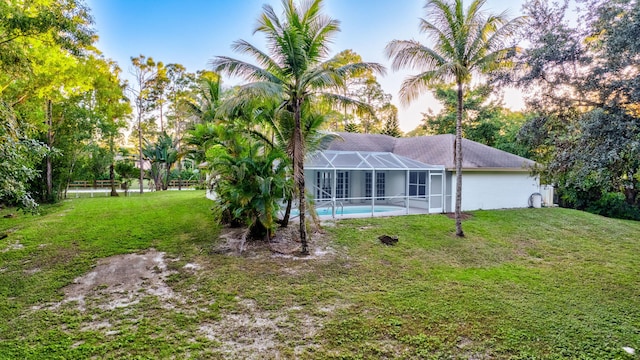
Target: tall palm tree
x=296, y=70
x=465, y=42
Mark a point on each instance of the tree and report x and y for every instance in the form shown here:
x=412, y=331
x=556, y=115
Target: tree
x=364, y=87
x=297, y=71
x=18, y=158
x=127, y=171
x=587, y=99
x=484, y=120
x=206, y=98
x=390, y=118
x=64, y=23
x=148, y=74
x=275, y=129
x=466, y=42
x=107, y=107
x=179, y=85
x=41, y=44
x=476, y=104
x=55, y=90
x=85, y=117
x=162, y=154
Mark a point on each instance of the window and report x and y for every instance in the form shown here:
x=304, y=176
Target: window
x=380, y=185
x=342, y=184
x=323, y=185
x=418, y=184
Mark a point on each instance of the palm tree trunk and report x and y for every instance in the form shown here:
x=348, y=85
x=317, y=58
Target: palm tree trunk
x=287, y=214
x=298, y=171
x=458, y=152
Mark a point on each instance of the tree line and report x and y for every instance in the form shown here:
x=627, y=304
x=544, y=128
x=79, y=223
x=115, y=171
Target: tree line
x=67, y=114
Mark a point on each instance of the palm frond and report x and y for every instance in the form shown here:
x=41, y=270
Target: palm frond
x=244, y=47
x=344, y=102
x=268, y=23
x=247, y=95
x=353, y=69
x=415, y=85
x=412, y=54
x=322, y=32
x=235, y=67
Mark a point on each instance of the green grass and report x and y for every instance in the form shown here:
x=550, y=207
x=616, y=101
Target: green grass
x=523, y=284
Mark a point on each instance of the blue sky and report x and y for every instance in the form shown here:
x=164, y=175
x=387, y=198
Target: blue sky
x=192, y=32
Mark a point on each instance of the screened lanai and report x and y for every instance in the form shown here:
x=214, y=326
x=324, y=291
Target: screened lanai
x=374, y=183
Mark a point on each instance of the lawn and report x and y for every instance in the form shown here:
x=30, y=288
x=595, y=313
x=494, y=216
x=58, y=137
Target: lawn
x=523, y=284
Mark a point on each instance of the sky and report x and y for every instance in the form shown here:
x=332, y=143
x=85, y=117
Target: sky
x=192, y=32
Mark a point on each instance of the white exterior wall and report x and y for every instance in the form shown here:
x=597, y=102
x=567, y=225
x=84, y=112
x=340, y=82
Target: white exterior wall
x=495, y=190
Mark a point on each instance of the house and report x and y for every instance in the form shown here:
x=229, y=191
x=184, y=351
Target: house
x=417, y=173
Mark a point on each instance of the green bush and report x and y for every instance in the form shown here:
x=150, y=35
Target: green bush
x=185, y=174
x=614, y=205
x=249, y=190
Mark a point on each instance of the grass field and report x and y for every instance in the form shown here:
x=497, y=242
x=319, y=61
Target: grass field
x=523, y=284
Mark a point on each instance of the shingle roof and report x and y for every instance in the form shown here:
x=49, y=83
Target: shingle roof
x=348, y=160
x=436, y=149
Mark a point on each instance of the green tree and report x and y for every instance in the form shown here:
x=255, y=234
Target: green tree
x=275, y=129
x=62, y=23
x=162, y=154
x=204, y=99
x=53, y=75
x=200, y=104
x=466, y=42
x=55, y=88
x=297, y=72
x=476, y=104
x=18, y=158
x=148, y=74
x=364, y=87
x=389, y=114
x=126, y=171
x=484, y=120
x=82, y=121
x=587, y=100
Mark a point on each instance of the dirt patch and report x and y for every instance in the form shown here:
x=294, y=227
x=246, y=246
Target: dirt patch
x=252, y=333
x=285, y=244
x=122, y=280
x=15, y=246
x=463, y=216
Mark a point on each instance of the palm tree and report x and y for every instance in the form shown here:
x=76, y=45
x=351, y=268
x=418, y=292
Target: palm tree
x=277, y=128
x=206, y=98
x=296, y=71
x=162, y=154
x=466, y=42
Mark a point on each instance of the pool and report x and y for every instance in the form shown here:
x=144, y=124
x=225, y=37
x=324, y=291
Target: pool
x=356, y=211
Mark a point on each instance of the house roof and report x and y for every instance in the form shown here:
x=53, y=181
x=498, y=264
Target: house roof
x=436, y=149
x=363, y=160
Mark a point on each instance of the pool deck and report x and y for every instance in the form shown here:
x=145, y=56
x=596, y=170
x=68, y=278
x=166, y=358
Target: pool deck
x=399, y=212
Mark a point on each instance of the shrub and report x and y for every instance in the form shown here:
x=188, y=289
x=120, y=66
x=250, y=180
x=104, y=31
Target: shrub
x=249, y=190
x=613, y=204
